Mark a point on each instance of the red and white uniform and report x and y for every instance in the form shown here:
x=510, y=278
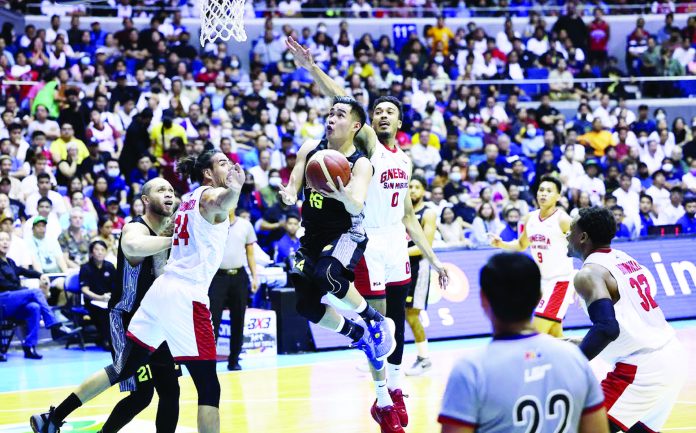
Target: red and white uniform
x=175, y=309
x=649, y=362
x=385, y=262
x=549, y=248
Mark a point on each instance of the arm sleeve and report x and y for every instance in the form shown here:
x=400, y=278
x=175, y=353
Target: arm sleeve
x=460, y=403
x=604, y=330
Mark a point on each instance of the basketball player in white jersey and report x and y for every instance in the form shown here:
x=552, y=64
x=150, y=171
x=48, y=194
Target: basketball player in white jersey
x=521, y=382
x=175, y=309
x=544, y=232
x=384, y=276
x=628, y=328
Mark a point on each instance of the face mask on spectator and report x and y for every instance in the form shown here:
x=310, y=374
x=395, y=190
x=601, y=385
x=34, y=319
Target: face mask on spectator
x=668, y=167
x=660, y=116
x=531, y=131
x=113, y=172
x=274, y=181
x=471, y=130
x=455, y=177
x=643, y=140
x=491, y=178
x=234, y=64
x=472, y=174
x=439, y=59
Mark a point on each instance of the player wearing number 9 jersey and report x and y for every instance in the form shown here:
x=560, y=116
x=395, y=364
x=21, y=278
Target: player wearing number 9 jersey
x=521, y=382
x=544, y=232
x=628, y=328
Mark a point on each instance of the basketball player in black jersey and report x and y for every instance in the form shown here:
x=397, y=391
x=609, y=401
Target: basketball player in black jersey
x=142, y=252
x=417, y=299
x=334, y=239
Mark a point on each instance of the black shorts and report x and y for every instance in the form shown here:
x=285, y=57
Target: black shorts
x=347, y=248
x=419, y=289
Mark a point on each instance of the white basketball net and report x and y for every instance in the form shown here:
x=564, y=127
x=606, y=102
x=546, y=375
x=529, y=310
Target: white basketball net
x=222, y=19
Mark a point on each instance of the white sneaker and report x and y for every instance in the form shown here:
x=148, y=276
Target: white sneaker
x=420, y=367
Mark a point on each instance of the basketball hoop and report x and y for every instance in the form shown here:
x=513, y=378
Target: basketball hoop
x=222, y=19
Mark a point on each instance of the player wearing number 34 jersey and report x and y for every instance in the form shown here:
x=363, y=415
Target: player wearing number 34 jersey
x=545, y=233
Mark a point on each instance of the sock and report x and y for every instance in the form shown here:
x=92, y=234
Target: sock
x=383, y=398
x=68, y=406
x=368, y=313
x=422, y=349
x=350, y=329
x=393, y=376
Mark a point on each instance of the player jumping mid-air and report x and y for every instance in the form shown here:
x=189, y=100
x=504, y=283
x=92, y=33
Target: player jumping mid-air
x=628, y=329
x=544, y=232
x=383, y=276
x=175, y=309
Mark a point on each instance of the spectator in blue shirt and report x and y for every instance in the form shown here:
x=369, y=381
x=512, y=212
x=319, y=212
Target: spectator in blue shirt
x=688, y=220
x=622, y=232
x=144, y=172
x=116, y=181
x=647, y=217
x=643, y=123
x=289, y=243
x=512, y=218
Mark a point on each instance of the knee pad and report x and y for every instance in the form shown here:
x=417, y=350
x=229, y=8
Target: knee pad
x=331, y=276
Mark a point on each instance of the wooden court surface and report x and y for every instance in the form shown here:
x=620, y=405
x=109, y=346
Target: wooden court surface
x=325, y=396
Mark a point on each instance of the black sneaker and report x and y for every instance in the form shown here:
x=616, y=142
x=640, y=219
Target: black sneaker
x=44, y=422
x=234, y=366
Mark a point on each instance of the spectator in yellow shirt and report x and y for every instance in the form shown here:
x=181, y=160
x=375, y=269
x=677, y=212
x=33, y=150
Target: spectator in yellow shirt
x=362, y=67
x=598, y=138
x=161, y=135
x=59, y=146
x=426, y=136
x=440, y=33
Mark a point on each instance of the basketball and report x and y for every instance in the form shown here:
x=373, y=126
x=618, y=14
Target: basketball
x=325, y=167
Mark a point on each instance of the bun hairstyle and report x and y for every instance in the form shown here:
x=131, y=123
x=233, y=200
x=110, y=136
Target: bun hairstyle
x=191, y=167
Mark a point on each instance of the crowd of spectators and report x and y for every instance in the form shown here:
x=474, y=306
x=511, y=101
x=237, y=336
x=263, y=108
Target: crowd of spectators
x=110, y=111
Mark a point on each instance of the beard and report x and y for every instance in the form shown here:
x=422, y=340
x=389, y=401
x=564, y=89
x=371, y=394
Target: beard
x=383, y=137
x=158, y=209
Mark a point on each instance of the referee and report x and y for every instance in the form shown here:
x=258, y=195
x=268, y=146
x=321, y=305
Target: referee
x=230, y=286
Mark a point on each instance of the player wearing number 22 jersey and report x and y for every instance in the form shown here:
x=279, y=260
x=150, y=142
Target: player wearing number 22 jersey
x=628, y=330
x=544, y=232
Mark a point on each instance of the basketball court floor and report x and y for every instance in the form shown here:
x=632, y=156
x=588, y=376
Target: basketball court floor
x=311, y=393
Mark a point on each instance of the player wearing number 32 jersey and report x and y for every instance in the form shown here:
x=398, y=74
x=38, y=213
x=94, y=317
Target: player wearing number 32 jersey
x=628, y=329
x=545, y=233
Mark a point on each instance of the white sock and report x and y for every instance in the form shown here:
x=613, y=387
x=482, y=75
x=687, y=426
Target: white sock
x=341, y=322
x=422, y=348
x=383, y=398
x=360, y=308
x=394, y=376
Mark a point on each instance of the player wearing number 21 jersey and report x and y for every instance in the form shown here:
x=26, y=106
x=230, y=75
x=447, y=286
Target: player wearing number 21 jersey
x=522, y=382
x=545, y=233
x=628, y=329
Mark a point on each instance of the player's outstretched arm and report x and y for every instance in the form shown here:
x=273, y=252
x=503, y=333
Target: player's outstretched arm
x=217, y=202
x=519, y=244
x=288, y=193
x=423, y=237
x=594, y=422
x=137, y=243
x=590, y=283
x=366, y=139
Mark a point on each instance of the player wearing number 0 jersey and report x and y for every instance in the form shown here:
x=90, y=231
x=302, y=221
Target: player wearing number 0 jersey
x=522, y=382
x=388, y=215
x=544, y=233
x=175, y=309
x=628, y=328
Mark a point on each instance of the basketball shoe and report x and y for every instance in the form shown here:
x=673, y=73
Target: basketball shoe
x=387, y=418
x=397, y=397
x=44, y=422
x=377, y=341
x=421, y=366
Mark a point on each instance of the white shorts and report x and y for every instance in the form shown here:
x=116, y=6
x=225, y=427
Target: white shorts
x=177, y=313
x=556, y=296
x=644, y=387
x=385, y=262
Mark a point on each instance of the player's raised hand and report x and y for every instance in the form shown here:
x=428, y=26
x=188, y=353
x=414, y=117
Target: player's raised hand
x=288, y=193
x=495, y=240
x=235, y=177
x=303, y=57
x=443, y=276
